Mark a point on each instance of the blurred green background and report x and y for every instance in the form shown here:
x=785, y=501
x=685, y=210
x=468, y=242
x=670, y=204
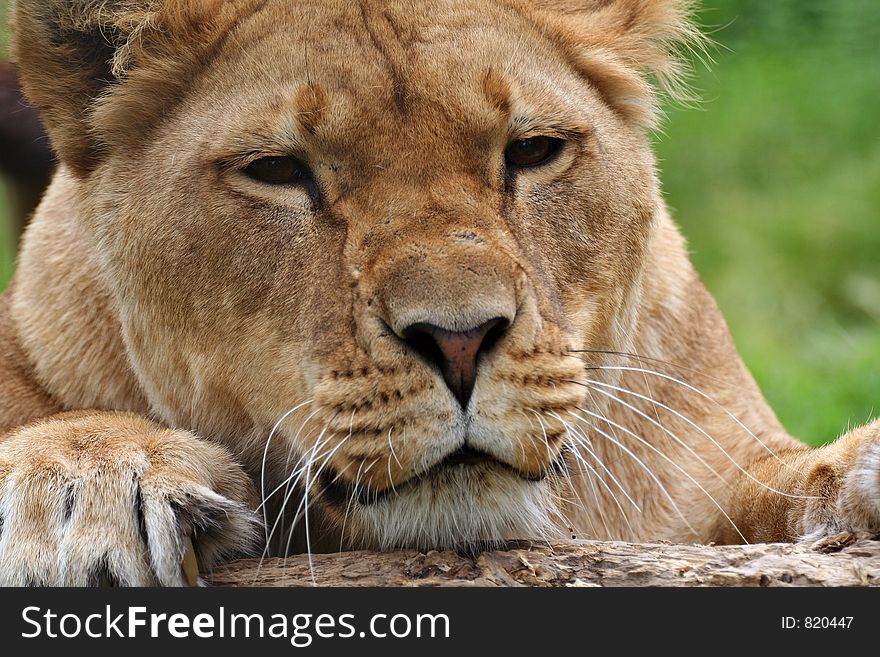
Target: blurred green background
x=7, y=248
x=775, y=179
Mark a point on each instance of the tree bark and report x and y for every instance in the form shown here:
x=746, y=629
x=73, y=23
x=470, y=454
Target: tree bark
x=844, y=560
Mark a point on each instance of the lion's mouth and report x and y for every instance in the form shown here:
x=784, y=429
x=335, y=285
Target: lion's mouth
x=466, y=455
x=342, y=493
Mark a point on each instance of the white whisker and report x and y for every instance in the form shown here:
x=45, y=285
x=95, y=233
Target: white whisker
x=584, y=442
x=675, y=465
x=681, y=442
x=391, y=453
x=602, y=481
x=263, y=466
x=294, y=443
x=354, y=492
x=608, y=535
x=656, y=424
x=701, y=394
x=293, y=480
x=391, y=448
x=639, y=461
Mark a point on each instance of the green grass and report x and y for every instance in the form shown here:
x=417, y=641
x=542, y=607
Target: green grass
x=3, y=37
x=7, y=248
x=6, y=242
x=775, y=180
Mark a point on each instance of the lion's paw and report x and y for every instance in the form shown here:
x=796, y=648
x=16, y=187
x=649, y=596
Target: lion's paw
x=104, y=499
x=847, y=489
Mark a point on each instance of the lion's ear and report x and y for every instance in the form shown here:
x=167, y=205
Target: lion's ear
x=99, y=68
x=623, y=46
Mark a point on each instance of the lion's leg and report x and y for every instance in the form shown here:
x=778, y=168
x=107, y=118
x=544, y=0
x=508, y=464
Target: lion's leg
x=92, y=497
x=815, y=492
x=21, y=397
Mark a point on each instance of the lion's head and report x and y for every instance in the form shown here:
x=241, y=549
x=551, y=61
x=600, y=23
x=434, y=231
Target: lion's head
x=383, y=232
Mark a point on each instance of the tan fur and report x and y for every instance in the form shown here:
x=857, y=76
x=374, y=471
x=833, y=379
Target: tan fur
x=164, y=295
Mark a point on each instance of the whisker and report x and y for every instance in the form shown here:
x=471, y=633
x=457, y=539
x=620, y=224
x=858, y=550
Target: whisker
x=354, y=489
x=391, y=448
x=351, y=498
x=372, y=463
x=607, y=488
x=674, y=464
x=325, y=460
x=701, y=394
x=639, y=461
x=659, y=361
x=293, y=480
x=286, y=483
x=695, y=426
x=265, y=457
x=654, y=422
x=308, y=534
x=590, y=472
x=556, y=506
x=608, y=535
x=303, y=508
x=279, y=516
x=302, y=512
x=288, y=493
x=543, y=432
x=574, y=488
x=584, y=442
x=293, y=443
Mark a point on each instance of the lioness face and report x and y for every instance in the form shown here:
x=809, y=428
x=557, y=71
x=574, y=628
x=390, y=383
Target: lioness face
x=402, y=222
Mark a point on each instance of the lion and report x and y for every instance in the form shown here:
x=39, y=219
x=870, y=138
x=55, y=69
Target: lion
x=317, y=276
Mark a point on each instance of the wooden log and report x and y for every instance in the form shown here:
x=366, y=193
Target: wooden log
x=843, y=560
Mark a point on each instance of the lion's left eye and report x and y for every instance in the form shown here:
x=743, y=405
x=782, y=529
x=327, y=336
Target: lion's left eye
x=532, y=152
x=278, y=171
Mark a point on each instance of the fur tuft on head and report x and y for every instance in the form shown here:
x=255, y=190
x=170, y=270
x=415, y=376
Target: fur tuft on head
x=621, y=46
x=109, y=56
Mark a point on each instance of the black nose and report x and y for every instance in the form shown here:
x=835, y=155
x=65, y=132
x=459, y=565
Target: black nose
x=455, y=353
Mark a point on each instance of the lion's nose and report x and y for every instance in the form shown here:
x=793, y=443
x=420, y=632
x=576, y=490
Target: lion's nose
x=455, y=353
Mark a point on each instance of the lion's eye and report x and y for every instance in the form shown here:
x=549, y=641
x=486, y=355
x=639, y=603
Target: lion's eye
x=532, y=152
x=278, y=171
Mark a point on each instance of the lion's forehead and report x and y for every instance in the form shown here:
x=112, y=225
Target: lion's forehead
x=369, y=50
x=412, y=22
x=382, y=85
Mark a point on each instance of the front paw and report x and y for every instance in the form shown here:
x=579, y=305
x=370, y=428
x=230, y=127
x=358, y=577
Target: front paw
x=107, y=498
x=845, y=488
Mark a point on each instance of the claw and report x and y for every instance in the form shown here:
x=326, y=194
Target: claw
x=190, y=566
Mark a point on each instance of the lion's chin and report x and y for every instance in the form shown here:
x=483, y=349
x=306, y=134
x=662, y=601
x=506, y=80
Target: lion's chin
x=465, y=507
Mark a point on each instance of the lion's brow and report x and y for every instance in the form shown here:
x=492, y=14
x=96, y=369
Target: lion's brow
x=498, y=91
x=310, y=106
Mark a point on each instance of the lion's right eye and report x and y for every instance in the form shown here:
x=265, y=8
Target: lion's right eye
x=278, y=171
x=532, y=152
